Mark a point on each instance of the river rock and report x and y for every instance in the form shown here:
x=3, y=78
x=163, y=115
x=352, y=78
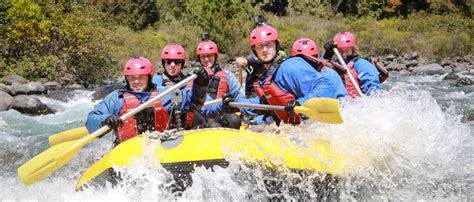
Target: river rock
x=451, y=77
x=52, y=85
x=395, y=66
x=429, y=69
x=75, y=86
x=411, y=56
x=460, y=68
x=463, y=82
x=4, y=88
x=445, y=63
x=103, y=91
x=19, y=89
x=390, y=57
x=30, y=105
x=35, y=87
x=411, y=63
x=6, y=101
x=10, y=79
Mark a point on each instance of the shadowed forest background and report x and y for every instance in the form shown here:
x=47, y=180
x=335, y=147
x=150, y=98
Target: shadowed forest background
x=88, y=42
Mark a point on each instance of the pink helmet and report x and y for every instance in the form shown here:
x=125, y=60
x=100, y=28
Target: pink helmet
x=173, y=51
x=138, y=65
x=304, y=46
x=345, y=40
x=263, y=34
x=207, y=47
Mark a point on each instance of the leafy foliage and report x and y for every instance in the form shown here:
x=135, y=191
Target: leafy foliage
x=53, y=43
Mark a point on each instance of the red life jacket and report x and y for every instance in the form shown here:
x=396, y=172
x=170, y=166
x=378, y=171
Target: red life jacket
x=218, y=84
x=189, y=119
x=276, y=96
x=351, y=89
x=130, y=128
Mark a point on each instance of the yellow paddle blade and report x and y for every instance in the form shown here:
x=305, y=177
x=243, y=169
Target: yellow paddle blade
x=325, y=110
x=50, y=160
x=68, y=135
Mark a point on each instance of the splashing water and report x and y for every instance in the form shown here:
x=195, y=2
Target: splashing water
x=415, y=148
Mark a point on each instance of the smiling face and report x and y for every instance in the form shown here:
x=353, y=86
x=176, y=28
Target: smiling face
x=173, y=67
x=138, y=83
x=346, y=52
x=266, y=51
x=207, y=60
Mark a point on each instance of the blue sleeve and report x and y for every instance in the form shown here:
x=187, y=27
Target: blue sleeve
x=111, y=105
x=157, y=80
x=211, y=111
x=234, y=87
x=368, y=76
x=298, y=77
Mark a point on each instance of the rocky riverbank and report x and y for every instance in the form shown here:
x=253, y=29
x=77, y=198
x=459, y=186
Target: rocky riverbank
x=19, y=94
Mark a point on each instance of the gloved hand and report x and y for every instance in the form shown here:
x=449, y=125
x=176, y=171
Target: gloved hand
x=203, y=77
x=113, y=122
x=290, y=107
x=226, y=99
x=328, y=47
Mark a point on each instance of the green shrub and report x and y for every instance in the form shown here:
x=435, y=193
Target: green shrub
x=53, y=42
x=227, y=21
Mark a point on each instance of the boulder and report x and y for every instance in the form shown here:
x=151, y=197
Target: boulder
x=445, y=63
x=103, y=91
x=10, y=79
x=19, y=89
x=30, y=105
x=460, y=68
x=6, y=101
x=390, y=57
x=411, y=63
x=75, y=86
x=35, y=87
x=429, y=69
x=52, y=85
x=395, y=66
x=411, y=56
x=451, y=77
x=463, y=82
x=4, y=88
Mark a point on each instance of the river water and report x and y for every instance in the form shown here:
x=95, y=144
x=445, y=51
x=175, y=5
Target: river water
x=418, y=142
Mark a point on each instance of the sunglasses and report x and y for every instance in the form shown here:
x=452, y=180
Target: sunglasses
x=175, y=61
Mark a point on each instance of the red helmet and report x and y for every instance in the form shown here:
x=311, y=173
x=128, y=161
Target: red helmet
x=207, y=47
x=345, y=40
x=138, y=65
x=263, y=34
x=173, y=51
x=304, y=46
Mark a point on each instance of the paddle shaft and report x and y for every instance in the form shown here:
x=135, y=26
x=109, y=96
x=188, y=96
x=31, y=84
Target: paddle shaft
x=148, y=103
x=341, y=60
x=257, y=106
x=247, y=105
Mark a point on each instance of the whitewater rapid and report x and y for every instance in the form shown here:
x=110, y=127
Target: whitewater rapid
x=415, y=137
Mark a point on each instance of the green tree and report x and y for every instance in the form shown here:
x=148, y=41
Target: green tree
x=228, y=21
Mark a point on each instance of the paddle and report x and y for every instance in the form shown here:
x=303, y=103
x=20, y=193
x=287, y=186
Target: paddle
x=325, y=110
x=341, y=60
x=57, y=156
x=68, y=135
x=78, y=133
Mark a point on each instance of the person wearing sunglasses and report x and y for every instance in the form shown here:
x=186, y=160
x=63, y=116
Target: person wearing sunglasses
x=173, y=58
x=138, y=73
